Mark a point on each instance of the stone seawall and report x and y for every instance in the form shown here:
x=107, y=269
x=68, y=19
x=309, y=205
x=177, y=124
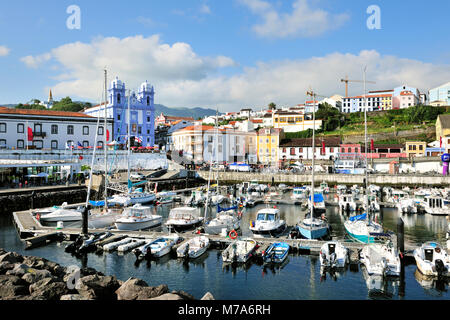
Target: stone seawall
x=19, y=202
x=333, y=179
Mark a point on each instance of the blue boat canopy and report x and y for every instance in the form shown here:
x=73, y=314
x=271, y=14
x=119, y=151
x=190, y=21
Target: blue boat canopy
x=219, y=209
x=359, y=217
x=97, y=203
x=318, y=197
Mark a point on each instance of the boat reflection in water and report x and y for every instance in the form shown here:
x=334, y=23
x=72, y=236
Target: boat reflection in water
x=334, y=273
x=381, y=287
x=432, y=285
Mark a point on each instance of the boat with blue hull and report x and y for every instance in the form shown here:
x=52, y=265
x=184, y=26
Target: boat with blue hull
x=313, y=228
x=276, y=253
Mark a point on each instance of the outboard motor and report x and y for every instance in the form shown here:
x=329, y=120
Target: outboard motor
x=137, y=253
x=333, y=259
x=75, y=245
x=347, y=207
x=186, y=251
x=440, y=267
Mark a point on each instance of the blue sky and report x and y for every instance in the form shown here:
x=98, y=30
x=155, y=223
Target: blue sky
x=230, y=54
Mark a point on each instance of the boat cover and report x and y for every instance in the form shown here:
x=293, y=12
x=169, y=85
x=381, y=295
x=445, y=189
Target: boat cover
x=318, y=197
x=358, y=217
x=219, y=209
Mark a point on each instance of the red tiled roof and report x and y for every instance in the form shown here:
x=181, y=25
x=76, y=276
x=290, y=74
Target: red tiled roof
x=35, y=112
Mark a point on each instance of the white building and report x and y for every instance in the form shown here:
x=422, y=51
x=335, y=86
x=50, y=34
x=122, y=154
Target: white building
x=301, y=148
x=50, y=130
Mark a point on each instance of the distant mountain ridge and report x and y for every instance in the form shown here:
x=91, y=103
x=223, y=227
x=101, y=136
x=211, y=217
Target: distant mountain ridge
x=183, y=112
x=174, y=112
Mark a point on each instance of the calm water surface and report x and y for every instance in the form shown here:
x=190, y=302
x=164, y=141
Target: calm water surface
x=298, y=278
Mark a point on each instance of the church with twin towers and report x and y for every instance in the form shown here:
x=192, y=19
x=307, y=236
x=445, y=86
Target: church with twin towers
x=142, y=112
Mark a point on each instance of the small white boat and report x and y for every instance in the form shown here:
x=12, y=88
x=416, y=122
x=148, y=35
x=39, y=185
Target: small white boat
x=193, y=248
x=299, y=193
x=346, y=202
x=223, y=220
x=217, y=199
x=61, y=215
x=267, y=222
x=131, y=245
x=44, y=211
x=432, y=259
x=137, y=217
x=98, y=220
x=239, y=251
x=381, y=259
x=157, y=248
x=397, y=195
x=407, y=205
x=114, y=245
x=126, y=199
x=183, y=218
x=333, y=255
x=165, y=197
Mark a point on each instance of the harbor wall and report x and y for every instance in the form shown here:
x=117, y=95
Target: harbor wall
x=332, y=179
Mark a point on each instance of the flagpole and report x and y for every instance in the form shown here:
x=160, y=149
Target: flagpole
x=105, y=144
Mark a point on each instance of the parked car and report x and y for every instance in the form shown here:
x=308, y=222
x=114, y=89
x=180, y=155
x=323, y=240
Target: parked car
x=137, y=176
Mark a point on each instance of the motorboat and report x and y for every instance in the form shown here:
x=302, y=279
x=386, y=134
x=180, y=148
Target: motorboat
x=324, y=188
x=183, y=218
x=432, y=260
x=341, y=189
x=61, y=215
x=196, y=199
x=333, y=255
x=276, y=253
x=157, y=248
x=44, y=211
x=408, y=206
x=137, y=217
x=434, y=205
x=299, y=193
x=103, y=218
x=165, y=197
x=283, y=188
x=267, y=222
x=239, y=250
x=397, y=195
x=381, y=259
x=360, y=229
x=225, y=219
x=319, y=203
x=90, y=242
x=374, y=205
x=217, y=199
x=193, y=248
x=346, y=203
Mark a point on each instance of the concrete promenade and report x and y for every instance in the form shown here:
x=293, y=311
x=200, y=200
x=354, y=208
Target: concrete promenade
x=333, y=179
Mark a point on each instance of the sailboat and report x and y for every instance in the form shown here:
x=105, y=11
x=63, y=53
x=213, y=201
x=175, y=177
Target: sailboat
x=313, y=228
x=136, y=196
x=364, y=230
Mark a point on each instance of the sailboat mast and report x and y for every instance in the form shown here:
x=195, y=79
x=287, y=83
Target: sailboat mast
x=129, y=137
x=105, y=142
x=92, y=161
x=313, y=155
x=217, y=148
x=365, y=139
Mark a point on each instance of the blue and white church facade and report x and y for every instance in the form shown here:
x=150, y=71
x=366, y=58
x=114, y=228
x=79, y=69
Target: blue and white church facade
x=142, y=112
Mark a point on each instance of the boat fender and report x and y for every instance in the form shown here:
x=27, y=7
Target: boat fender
x=233, y=234
x=38, y=216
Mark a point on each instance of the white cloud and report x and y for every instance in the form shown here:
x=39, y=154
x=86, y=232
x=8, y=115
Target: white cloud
x=133, y=59
x=35, y=62
x=4, y=51
x=303, y=21
x=182, y=78
x=205, y=9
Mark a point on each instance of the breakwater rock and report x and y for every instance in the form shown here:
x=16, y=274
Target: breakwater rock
x=33, y=278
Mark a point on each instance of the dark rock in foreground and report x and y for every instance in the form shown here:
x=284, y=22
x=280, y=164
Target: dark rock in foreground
x=34, y=278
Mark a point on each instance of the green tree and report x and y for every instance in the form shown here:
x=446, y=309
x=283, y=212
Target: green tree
x=331, y=117
x=272, y=106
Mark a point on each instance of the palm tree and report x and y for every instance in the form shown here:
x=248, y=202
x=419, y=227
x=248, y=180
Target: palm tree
x=272, y=106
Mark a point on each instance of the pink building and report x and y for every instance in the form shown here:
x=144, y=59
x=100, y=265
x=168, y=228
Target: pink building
x=351, y=151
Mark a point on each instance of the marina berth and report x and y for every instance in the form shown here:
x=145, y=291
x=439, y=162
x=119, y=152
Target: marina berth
x=156, y=248
x=381, y=259
x=226, y=219
x=267, y=222
x=361, y=229
x=432, y=260
x=183, y=218
x=239, y=251
x=137, y=217
x=193, y=248
x=276, y=253
x=333, y=254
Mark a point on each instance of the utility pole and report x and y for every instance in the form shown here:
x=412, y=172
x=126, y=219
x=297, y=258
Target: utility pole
x=105, y=143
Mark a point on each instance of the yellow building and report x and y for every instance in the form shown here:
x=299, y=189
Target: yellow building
x=415, y=148
x=268, y=142
x=291, y=121
x=386, y=102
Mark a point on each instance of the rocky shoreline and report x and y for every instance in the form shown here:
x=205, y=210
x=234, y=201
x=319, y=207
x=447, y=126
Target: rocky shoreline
x=34, y=278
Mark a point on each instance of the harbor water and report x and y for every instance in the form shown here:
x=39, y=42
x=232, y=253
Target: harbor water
x=299, y=278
